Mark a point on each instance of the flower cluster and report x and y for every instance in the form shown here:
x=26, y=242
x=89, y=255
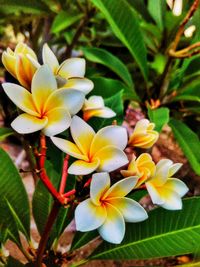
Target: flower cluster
x=50, y=96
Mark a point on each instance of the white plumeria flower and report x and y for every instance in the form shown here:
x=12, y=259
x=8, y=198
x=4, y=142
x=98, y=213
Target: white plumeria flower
x=108, y=209
x=94, y=107
x=70, y=73
x=164, y=190
x=101, y=151
x=46, y=108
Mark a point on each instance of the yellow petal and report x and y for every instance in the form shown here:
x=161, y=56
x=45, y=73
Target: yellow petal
x=81, y=167
x=9, y=62
x=72, y=67
x=82, y=84
x=22, y=48
x=102, y=113
x=177, y=186
x=49, y=58
x=94, y=102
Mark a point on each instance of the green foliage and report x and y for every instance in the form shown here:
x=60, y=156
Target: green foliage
x=189, y=143
x=5, y=132
x=14, y=206
x=165, y=233
x=125, y=25
x=159, y=116
x=157, y=11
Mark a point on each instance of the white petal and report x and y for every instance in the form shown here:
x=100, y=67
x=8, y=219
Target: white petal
x=113, y=229
x=89, y=216
x=99, y=184
x=82, y=134
x=177, y=186
x=82, y=84
x=59, y=120
x=70, y=99
x=154, y=194
x=68, y=147
x=81, y=167
x=174, y=168
x=25, y=124
x=102, y=113
x=162, y=172
x=110, y=136
x=20, y=97
x=172, y=202
x=43, y=84
x=131, y=210
x=94, y=102
x=141, y=126
x=72, y=67
x=121, y=188
x=49, y=58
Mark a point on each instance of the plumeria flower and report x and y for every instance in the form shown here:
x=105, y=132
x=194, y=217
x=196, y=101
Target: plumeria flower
x=101, y=151
x=46, y=108
x=142, y=167
x=94, y=107
x=19, y=65
x=70, y=74
x=143, y=135
x=165, y=190
x=108, y=209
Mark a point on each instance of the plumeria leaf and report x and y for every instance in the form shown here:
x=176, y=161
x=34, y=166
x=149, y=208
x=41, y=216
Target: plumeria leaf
x=155, y=238
x=125, y=25
x=12, y=191
x=157, y=10
x=83, y=238
x=188, y=141
x=13, y=262
x=159, y=116
x=101, y=56
x=5, y=132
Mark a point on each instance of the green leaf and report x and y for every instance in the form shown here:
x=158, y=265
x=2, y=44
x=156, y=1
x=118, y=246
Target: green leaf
x=81, y=239
x=116, y=104
x=159, y=116
x=28, y=6
x=108, y=87
x=188, y=141
x=157, y=10
x=165, y=233
x=5, y=132
x=13, y=191
x=125, y=25
x=101, y=56
x=13, y=262
x=63, y=20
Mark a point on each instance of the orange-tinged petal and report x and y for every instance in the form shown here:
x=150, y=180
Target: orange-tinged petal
x=72, y=67
x=121, y=188
x=111, y=158
x=177, y=186
x=154, y=193
x=68, y=147
x=89, y=216
x=20, y=97
x=109, y=136
x=43, y=85
x=9, y=62
x=81, y=167
x=49, y=58
x=162, y=172
x=82, y=134
x=94, y=102
x=25, y=124
x=99, y=185
x=113, y=228
x=22, y=48
x=59, y=120
x=82, y=84
x=102, y=113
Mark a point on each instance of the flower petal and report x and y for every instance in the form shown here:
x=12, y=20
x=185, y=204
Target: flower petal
x=59, y=120
x=81, y=167
x=154, y=194
x=68, y=147
x=102, y=113
x=172, y=201
x=82, y=84
x=111, y=158
x=94, y=102
x=43, y=85
x=99, y=184
x=70, y=99
x=177, y=186
x=113, y=229
x=89, y=216
x=109, y=136
x=20, y=97
x=131, y=210
x=25, y=124
x=23, y=48
x=174, y=168
x=82, y=134
x=72, y=67
x=9, y=62
x=162, y=172
x=121, y=188
x=49, y=58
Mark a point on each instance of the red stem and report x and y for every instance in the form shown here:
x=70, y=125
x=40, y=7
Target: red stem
x=71, y=192
x=88, y=182
x=64, y=175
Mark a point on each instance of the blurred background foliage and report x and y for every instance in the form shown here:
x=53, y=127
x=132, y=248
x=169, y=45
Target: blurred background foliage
x=126, y=44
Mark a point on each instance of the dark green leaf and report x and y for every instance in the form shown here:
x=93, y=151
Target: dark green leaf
x=63, y=20
x=165, y=233
x=13, y=263
x=188, y=141
x=5, y=132
x=12, y=190
x=125, y=25
x=157, y=10
x=105, y=58
x=159, y=116
x=81, y=239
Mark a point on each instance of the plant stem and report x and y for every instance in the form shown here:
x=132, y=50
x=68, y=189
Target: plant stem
x=45, y=236
x=64, y=175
